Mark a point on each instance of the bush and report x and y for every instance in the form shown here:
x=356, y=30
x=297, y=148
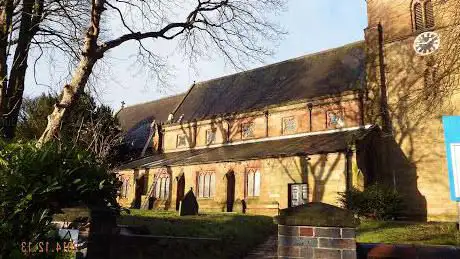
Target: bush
x=35, y=183
x=376, y=201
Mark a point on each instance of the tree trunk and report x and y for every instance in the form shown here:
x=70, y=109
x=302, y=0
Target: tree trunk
x=80, y=77
x=12, y=97
x=6, y=16
x=68, y=95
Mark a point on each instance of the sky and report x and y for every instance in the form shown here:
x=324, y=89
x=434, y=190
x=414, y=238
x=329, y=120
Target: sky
x=311, y=26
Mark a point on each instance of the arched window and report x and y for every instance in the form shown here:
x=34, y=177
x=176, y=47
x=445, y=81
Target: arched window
x=206, y=182
x=423, y=15
x=253, y=183
x=162, y=186
x=429, y=16
x=124, y=188
x=418, y=16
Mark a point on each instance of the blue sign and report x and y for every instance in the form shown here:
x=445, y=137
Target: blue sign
x=452, y=139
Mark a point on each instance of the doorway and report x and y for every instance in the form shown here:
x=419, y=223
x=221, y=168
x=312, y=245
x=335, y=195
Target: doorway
x=230, y=190
x=298, y=194
x=180, y=190
x=140, y=190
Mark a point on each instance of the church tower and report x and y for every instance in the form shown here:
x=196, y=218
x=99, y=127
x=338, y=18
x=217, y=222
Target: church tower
x=412, y=71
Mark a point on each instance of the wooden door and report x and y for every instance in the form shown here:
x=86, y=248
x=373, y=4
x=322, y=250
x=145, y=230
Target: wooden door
x=230, y=191
x=180, y=190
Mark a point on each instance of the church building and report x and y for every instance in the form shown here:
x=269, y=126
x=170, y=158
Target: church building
x=308, y=128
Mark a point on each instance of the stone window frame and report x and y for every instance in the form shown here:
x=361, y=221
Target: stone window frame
x=335, y=111
x=214, y=132
x=206, y=184
x=422, y=13
x=178, y=143
x=256, y=174
x=252, y=125
x=162, y=188
x=283, y=125
x=124, y=188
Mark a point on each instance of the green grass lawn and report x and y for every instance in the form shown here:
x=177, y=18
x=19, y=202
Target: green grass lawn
x=394, y=232
x=239, y=233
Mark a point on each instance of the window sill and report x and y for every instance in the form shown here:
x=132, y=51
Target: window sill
x=205, y=198
x=289, y=133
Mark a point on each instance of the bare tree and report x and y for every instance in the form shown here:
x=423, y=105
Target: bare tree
x=235, y=29
x=29, y=24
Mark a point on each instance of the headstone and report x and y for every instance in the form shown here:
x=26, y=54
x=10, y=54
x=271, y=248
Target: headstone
x=189, y=205
x=238, y=206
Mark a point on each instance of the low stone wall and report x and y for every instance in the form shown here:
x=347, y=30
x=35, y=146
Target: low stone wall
x=316, y=242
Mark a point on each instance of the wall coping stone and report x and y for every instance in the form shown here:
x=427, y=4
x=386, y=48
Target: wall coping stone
x=317, y=214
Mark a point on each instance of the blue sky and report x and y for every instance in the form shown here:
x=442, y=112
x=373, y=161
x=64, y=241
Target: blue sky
x=312, y=26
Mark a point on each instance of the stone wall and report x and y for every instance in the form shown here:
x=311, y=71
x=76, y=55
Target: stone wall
x=414, y=157
x=316, y=242
x=324, y=174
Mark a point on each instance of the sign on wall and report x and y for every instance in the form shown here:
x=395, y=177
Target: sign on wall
x=452, y=139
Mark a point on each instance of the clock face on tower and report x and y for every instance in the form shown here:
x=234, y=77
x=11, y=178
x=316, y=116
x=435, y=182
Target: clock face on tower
x=426, y=43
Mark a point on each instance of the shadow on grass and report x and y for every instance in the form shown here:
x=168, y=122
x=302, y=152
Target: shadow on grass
x=237, y=234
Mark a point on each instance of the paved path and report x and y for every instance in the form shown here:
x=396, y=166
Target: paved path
x=265, y=250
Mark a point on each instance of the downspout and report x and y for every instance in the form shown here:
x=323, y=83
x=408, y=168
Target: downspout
x=387, y=127
x=384, y=109
x=266, y=123
x=310, y=108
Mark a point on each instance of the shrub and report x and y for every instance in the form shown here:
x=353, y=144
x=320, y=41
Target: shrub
x=376, y=201
x=36, y=183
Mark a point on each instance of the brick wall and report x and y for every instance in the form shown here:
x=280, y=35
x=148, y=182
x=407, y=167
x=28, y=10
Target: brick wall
x=269, y=121
x=316, y=242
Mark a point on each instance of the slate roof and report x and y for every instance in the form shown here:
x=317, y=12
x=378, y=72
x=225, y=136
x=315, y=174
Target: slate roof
x=135, y=120
x=307, y=145
x=317, y=75
x=132, y=116
x=328, y=73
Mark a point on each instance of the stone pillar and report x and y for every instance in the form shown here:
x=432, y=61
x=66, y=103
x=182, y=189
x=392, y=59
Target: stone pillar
x=103, y=227
x=316, y=230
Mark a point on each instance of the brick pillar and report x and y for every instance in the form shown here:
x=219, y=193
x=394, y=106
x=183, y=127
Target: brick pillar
x=316, y=242
x=101, y=233
x=316, y=230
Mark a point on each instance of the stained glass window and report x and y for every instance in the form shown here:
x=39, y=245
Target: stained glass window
x=253, y=183
x=335, y=119
x=210, y=136
x=247, y=130
x=181, y=140
x=124, y=188
x=289, y=125
x=206, y=184
x=162, y=186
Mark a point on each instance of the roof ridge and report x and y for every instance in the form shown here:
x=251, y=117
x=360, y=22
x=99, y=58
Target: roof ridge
x=155, y=100
x=282, y=62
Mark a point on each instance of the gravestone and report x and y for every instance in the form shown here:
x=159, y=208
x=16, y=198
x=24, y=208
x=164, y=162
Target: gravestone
x=316, y=230
x=189, y=205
